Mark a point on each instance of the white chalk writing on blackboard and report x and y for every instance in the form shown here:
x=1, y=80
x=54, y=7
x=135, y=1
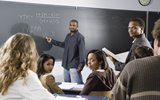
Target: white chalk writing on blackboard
x=41, y=17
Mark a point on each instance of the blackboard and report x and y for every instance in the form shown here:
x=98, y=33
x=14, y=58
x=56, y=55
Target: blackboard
x=100, y=27
x=153, y=17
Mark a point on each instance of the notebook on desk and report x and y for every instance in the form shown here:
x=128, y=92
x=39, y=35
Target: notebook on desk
x=70, y=98
x=80, y=97
x=71, y=86
x=78, y=87
x=67, y=85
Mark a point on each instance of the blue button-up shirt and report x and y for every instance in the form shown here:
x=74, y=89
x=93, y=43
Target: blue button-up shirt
x=74, y=50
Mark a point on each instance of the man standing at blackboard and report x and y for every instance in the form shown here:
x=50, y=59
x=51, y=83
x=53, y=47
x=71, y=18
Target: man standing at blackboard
x=136, y=31
x=74, y=53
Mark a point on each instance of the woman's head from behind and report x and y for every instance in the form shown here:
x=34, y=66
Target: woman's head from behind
x=96, y=59
x=18, y=54
x=45, y=64
x=142, y=51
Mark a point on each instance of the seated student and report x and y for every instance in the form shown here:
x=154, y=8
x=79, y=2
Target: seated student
x=142, y=51
x=102, y=77
x=136, y=28
x=45, y=66
x=18, y=80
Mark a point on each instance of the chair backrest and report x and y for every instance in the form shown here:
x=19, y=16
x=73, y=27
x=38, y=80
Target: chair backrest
x=101, y=93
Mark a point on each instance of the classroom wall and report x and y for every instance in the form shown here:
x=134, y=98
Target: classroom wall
x=109, y=4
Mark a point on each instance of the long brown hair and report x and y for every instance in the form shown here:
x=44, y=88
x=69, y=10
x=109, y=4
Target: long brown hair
x=18, y=54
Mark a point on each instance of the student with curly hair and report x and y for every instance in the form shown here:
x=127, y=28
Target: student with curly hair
x=18, y=64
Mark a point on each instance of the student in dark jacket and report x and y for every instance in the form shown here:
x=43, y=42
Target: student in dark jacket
x=102, y=77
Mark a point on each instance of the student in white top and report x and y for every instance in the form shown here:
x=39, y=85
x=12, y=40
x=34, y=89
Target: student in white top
x=18, y=80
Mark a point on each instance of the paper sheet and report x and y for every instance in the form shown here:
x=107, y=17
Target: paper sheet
x=118, y=57
x=67, y=86
x=70, y=98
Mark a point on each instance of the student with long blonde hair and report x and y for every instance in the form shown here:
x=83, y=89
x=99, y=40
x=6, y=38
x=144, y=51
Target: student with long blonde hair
x=18, y=80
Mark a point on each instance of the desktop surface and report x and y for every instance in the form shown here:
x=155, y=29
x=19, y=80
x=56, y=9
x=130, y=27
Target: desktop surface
x=80, y=97
x=70, y=88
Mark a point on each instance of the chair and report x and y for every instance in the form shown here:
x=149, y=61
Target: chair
x=101, y=93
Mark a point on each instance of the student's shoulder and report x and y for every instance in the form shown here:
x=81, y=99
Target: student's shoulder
x=140, y=63
x=92, y=74
x=96, y=73
x=79, y=34
x=31, y=73
x=32, y=77
x=49, y=76
x=81, y=37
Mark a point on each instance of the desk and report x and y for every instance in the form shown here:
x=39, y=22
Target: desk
x=80, y=97
x=72, y=91
x=70, y=88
